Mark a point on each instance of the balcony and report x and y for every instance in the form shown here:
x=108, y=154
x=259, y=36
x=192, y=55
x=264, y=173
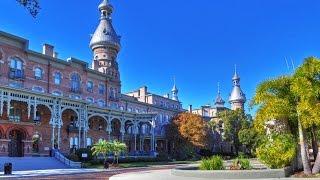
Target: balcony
x=16, y=74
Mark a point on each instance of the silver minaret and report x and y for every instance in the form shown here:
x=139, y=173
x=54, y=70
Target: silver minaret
x=237, y=97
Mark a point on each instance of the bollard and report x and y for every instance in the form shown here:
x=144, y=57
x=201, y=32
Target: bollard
x=7, y=168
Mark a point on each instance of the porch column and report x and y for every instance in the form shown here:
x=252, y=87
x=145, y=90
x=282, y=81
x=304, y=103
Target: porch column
x=79, y=138
x=135, y=143
x=82, y=123
x=57, y=120
x=85, y=133
x=141, y=143
x=59, y=136
x=53, y=136
x=8, y=107
x=122, y=129
x=153, y=136
x=35, y=109
x=122, y=137
x=109, y=130
x=29, y=108
x=1, y=103
x=135, y=132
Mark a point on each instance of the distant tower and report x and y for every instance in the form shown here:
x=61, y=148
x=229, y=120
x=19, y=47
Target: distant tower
x=174, y=91
x=237, y=97
x=105, y=43
x=219, y=103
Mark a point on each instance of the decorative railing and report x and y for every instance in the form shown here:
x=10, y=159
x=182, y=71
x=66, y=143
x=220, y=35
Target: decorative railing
x=60, y=157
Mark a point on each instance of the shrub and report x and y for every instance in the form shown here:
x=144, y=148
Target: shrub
x=87, y=151
x=213, y=163
x=241, y=163
x=73, y=157
x=278, y=151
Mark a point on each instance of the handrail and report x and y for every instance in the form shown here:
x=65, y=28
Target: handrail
x=60, y=157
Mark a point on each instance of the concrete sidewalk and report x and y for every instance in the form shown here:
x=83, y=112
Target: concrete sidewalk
x=43, y=173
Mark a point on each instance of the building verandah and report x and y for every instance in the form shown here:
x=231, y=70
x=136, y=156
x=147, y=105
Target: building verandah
x=33, y=124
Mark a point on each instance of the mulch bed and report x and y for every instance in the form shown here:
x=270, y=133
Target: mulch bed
x=302, y=175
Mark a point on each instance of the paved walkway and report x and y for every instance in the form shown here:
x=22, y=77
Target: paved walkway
x=55, y=172
x=32, y=163
x=163, y=175
x=79, y=173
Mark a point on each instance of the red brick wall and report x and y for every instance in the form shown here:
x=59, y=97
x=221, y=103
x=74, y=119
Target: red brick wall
x=49, y=67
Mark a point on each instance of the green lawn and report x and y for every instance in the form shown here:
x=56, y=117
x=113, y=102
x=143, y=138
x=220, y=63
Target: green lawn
x=140, y=164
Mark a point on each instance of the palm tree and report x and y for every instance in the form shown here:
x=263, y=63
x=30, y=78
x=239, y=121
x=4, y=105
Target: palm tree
x=117, y=149
x=306, y=85
x=276, y=100
x=102, y=148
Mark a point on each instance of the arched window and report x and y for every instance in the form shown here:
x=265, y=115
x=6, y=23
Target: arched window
x=38, y=72
x=111, y=92
x=90, y=86
x=101, y=89
x=57, y=78
x=115, y=92
x=101, y=103
x=16, y=68
x=75, y=83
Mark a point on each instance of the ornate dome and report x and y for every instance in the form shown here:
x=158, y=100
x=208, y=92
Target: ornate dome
x=237, y=95
x=105, y=35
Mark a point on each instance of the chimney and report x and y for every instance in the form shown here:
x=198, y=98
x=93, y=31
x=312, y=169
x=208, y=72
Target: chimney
x=190, y=108
x=47, y=49
x=143, y=91
x=55, y=55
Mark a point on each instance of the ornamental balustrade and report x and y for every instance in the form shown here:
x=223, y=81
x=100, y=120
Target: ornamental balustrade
x=83, y=110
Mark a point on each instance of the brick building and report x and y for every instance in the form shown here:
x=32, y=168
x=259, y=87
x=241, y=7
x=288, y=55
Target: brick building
x=46, y=102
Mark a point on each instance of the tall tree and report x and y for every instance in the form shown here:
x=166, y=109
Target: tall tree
x=233, y=122
x=306, y=85
x=187, y=133
x=33, y=6
x=193, y=128
x=276, y=101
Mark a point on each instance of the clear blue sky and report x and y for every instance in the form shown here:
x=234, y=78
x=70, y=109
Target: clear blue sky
x=198, y=41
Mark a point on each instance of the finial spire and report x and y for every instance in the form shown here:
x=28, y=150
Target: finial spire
x=175, y=90
x=219, y=102
x=235, y=76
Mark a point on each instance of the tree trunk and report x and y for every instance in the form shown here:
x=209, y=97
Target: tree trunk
x=314, y=142
x=304, y=157
x=316, y=166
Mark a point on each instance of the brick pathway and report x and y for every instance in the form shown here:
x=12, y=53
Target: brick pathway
x=102, y=175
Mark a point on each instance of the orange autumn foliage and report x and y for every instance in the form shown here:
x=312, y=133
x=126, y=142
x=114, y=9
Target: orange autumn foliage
x=192, y=128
